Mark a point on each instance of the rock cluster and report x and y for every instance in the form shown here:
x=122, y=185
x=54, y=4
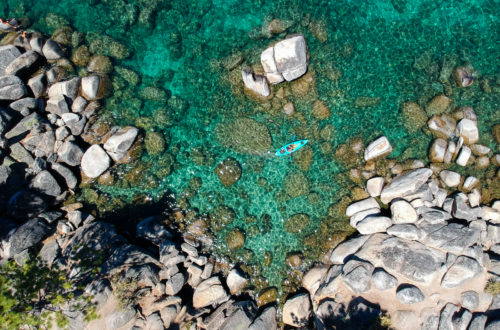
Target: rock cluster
x=286, y=60
x=429, y=259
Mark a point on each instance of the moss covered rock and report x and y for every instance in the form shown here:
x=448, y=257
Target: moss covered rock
x=235, y=239
x=304, y=157
x=438, y=105
x=104, y=45
x=155, y=143
x=366, y=101
x=54, y=21
x=267, y=296
x=221, y=216
x=496, y=132
x=128, y=75
x=245, y=136
x=320, y=110
x=414, y=117
x=154, y=94
x=63, y=35
x=296, y=223
x=100, y=64
x=229, y=171
x=296, y=184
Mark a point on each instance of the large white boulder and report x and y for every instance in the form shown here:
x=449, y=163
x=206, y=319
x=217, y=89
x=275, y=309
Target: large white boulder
x=361, y=205
x=256, y=83
x=468, y=130
x=378, y=148
x=95, y=161
x=291, y=57
x=269, y=65
x=119, y=143
x=405, y=185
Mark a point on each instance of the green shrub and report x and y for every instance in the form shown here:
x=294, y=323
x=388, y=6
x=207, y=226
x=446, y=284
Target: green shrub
x=492, y=288
x=33, y=294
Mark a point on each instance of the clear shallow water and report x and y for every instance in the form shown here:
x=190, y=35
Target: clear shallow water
x=370, y=51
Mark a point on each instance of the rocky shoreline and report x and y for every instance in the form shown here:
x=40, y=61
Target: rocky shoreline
x=426, y=251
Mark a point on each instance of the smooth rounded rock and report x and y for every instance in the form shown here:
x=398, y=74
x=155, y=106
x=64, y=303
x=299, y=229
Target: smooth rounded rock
x=468, y=130
x=373, y=224
x=8, y=54
x=236, y=281
x=470, y=299
x=409, y=294
x=290, y=56
x=90, y=87
x=406, y=231
x=450, y=178
x=382, y=280
x=23, y=65
x=405, y=185
x=374, y=186
x=403, y=212
x=95, y=161
x=45, y=183
x=52, y=51
x=362, y=205
x=119, y=143
x=70, y=153
x=11, y=88
x=438, y=150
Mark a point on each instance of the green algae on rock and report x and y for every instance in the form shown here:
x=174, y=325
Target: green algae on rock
x=244, y=135
x=414, y=117
x=296, y=184
x=235, y=239
x=296, y=223
x=221, y=216
x=228, y=171
x=155, y=143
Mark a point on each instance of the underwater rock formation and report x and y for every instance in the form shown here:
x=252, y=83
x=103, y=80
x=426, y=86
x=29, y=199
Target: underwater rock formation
x=244, y=135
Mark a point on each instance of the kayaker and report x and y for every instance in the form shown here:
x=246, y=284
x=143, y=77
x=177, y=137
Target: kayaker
x=290, y=147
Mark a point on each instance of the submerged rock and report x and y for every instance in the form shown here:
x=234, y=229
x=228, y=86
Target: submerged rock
x=296, y=184
x=155, y=143
x=235, y=239
x=221, y=216
x=296, y=223
x=414, y=117
x=245, y=136
x=229, y=171
x=438, y=105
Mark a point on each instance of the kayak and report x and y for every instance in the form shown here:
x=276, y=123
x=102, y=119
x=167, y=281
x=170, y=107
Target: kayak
x=291, y=147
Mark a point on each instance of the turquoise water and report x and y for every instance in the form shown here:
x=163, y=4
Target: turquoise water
x=390, y=51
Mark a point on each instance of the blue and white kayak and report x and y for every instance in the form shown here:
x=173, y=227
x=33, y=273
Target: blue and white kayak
x=291, y=147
